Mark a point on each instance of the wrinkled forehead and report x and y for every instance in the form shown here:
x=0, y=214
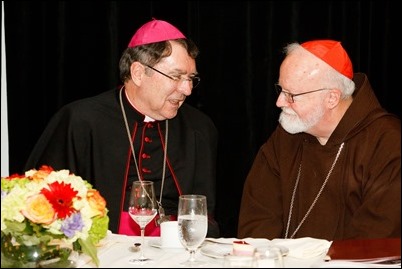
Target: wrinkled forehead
x=179, y=61
x=301, y=68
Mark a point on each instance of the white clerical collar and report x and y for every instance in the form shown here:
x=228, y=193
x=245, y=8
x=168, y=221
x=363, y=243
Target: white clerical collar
x=147, y=118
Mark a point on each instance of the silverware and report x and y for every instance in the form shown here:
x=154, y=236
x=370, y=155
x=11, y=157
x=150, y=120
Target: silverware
x=217, y=241
x=391, y=260
x=385, y=260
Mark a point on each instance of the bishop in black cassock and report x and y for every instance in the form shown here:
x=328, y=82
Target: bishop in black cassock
x=89, y=138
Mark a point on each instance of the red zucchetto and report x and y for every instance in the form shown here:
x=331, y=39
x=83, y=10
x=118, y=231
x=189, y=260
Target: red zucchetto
x=332, y=53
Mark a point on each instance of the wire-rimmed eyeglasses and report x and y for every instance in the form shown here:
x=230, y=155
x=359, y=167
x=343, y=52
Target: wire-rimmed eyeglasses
x=193, y=80
x=290, y=96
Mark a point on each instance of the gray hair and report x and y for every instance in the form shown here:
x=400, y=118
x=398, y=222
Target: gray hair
x=333, y=77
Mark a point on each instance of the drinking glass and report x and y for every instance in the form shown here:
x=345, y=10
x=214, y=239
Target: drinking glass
x=193, y=224
x=142, y=209
x=269, y=257
x=233, y=261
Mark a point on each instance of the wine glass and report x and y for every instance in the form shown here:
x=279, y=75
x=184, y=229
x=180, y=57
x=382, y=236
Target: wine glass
x=193, y=224
x=142, y=209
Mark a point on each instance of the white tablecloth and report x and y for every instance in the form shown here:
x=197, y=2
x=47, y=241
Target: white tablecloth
x=115, y=252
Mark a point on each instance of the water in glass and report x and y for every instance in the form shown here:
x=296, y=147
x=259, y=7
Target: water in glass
x=193, y=224
x=142, y=209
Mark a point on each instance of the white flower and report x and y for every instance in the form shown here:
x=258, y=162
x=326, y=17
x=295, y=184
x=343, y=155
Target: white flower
x=46, y=205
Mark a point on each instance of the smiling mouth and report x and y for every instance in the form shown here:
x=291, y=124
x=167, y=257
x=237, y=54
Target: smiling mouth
x=175, y=102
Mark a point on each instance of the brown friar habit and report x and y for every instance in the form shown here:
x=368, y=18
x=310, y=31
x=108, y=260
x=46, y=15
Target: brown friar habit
x=362, y=197
x=89, y=138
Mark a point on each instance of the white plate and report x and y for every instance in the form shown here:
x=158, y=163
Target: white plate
x=220, y=250
x=216, y=250
x=156, y=243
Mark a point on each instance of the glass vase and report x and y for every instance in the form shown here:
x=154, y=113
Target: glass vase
x=35, y=256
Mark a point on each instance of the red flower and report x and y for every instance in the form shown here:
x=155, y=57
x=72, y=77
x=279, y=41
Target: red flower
x=46, y=168
x=61, y=196
x=15, y=176
x=42, y=173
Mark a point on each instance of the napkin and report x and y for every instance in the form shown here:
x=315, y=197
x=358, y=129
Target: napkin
x=305, y=247
x=255, y=242
x=103, y=245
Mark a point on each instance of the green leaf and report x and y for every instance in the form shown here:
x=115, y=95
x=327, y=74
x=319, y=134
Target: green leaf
x=89, y=248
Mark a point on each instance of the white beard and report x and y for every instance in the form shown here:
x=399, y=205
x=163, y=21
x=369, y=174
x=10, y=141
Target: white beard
x=293, y=124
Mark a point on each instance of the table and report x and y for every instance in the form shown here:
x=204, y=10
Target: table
x=365, y=248
x=116, y=253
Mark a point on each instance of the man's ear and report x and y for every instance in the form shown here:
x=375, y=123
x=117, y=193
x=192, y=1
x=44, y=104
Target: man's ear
x=137, y=71
x=334, y=97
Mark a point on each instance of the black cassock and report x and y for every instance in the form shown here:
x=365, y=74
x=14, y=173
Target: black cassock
x=89, y=138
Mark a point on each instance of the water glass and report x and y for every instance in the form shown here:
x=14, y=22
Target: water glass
x=233, y=261
x=193, y=225
x=269, y=257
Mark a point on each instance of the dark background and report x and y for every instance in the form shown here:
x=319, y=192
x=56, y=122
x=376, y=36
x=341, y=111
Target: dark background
x=58, y=52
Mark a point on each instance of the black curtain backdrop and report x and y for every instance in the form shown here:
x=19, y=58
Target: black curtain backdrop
x=58, y=52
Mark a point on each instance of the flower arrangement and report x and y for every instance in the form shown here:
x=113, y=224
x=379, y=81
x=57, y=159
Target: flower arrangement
x=52, y=207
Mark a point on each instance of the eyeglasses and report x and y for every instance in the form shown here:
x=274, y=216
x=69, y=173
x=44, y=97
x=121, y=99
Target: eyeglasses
x=193, y=80
x=290, y=96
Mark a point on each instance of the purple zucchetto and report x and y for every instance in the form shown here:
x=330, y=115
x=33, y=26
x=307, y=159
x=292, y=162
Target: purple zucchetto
x=154, y=31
